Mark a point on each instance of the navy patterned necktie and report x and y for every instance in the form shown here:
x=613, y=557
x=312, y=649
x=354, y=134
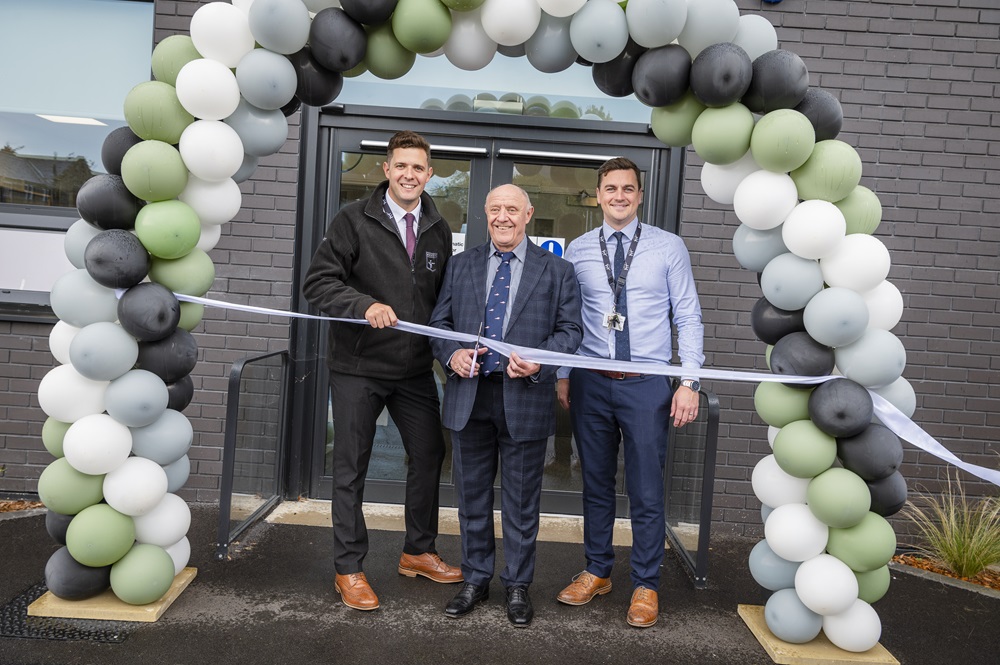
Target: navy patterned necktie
x=496, y=309
x=623, y=349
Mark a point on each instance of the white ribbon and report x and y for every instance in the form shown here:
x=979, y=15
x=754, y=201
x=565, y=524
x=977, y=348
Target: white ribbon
x=888, y=414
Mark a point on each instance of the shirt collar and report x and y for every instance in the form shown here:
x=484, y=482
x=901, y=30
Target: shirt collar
x=398, y=212
x=628, y=231
x=519, y=252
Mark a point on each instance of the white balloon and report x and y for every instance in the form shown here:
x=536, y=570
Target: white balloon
x=708, y=22
x=245, y=5
x=720, y=181
x=211, y=150
x=510, y=22
x=794, y=533
x=599, y=31
x=468, y=46
x=180, y=552
x=60, y=338
x=858, y=629
x=165, y=524
x=215, y=202
x=561, y=8
x=826, y=585
x=885, y=305
x=773, y=487
x=66, y=395
x=859, y=262
x=136, y=486
x=221, y=32
x=813, y=229
x=755, y=35
x=655, y=23
x=207, y=89
x=772, y=432
x=210, y=236
x=764, y=199
x=97, y=444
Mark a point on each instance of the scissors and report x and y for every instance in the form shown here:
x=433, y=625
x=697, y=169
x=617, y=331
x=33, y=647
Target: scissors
x=475, y=349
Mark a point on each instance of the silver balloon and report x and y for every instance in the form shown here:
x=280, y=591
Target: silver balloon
x=836, y=317
x=266, y=79
x=78, y=236
x=599, y=31
x=708, y=22
x=79, y=301
x=790, y=282
x=789, y=620
x=177, y=473
x=165, y=440
x=875, y=360
x=755, y=35
x=247, y=168
x=900, y=394
x=279, y=25
x=262, y=132
x=655, y=23
x=769, y=570
x=103, y=351
x=550, y=49
x=136, y=398
x=755, y=249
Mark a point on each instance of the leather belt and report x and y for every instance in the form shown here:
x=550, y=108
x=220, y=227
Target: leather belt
x=617, y=376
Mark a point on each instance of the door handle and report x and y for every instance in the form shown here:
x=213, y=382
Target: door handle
x=561, y=156
x=450, y=149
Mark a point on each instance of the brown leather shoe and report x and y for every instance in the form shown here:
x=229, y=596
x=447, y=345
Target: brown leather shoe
x=429, y=565
x=355, y=591
x=583, y=588
x=645, y=608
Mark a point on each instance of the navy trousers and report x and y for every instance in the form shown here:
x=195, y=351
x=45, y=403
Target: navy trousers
x=604, y=413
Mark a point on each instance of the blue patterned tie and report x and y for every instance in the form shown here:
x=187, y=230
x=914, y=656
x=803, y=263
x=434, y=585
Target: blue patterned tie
x=496, y=309
x=623, y=349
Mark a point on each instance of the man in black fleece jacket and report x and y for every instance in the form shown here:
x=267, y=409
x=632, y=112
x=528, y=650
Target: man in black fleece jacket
x=383, y=260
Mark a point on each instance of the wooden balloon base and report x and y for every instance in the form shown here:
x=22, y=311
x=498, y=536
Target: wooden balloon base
x=818, y=652
x=107, y=606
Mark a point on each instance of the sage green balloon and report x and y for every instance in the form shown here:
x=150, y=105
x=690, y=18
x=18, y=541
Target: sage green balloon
x=831, y=172
x=868, y=545
x=805, y=451
x=873, y=584
x=154, y=113
x=782, y=141
x=191, y=315
x=100, y=535
x=777, y=404
x=168, y=229
x=463, y=5
x=143, y=575
x=65, y=490
x=386, y=57
x=191, y=275
x=722, y=135
x=862, y=210
x=53, y=433
x=355, y=71
x=171, y=55
x=154, y=171
x=837, y=497
x=421, y=26
x=565, y=109
x=767, y=355
x=673, y=124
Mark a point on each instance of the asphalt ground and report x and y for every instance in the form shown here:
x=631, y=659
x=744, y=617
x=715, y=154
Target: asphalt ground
x=273, y=602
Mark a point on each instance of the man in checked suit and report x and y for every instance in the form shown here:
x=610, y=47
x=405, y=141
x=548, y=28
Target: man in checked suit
x=512, y=290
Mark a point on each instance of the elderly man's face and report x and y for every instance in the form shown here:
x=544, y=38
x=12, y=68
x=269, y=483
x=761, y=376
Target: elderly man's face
x=507, y=215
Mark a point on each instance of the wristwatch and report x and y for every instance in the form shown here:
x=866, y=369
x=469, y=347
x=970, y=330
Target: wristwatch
x=693, y=384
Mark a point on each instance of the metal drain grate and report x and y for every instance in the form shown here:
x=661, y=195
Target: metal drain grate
x=15, y=622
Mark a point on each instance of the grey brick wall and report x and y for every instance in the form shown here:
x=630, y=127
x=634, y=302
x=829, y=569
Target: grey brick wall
x=918, y=80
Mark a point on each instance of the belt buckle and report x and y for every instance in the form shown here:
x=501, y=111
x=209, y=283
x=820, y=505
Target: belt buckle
x=621, y=376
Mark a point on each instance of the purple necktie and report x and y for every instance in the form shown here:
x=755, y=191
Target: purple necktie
x=411, y=237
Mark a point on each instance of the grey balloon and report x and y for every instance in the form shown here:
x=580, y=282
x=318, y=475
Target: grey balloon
x=515, y=51
x=177, y=474
x=262, y=132
x=769, y=570
x=279, y=25
x=266, y=79
x=754, y=249
x=836, y=317
x=103, y=351
x=877, y=359
x=75, y=242
x=137, y=398
x=900, y=394
x=789, y=619
x=165, y=440
x=79, y=301
x=549, y=49
x=247, y=168
x=765, y=512
x=790, y=282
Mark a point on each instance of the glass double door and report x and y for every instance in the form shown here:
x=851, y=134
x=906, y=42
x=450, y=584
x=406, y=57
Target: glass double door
x=561, y=181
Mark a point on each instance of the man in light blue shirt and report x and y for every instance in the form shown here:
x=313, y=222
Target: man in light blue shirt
x=635, y=280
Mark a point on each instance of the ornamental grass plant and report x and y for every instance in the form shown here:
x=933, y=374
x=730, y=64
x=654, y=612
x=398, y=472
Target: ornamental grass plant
x=961, y=534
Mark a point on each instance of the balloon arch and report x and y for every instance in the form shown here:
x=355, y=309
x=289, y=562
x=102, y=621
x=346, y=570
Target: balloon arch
x=715, y=80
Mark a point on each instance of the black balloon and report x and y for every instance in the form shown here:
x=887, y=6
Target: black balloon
x=56, y=524
x=105, y=202
x=824, y=112
x=515, y=51
x=614, y=78
x=180, y=393
x=116, y=259
x=841, y=407
x=170, y=358
x=291, y=107
x=68, y=579
x=874, y=454
x=581, y=61
x=661, y=75
x=372, y=12
x=149, y=312
x=770, y=323
x=780, y=80
x=888, y=494
x=115, y=145
x=720, y=75
x=338, y=42
x=799, y=354
x=315, y=84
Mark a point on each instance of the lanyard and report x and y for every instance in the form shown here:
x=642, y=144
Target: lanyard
x=617, y=286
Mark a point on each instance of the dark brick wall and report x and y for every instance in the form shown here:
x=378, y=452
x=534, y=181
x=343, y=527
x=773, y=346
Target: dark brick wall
x=918, y=81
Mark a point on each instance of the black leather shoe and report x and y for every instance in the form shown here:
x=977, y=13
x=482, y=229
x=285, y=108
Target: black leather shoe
x=466, y=599
x=519, y=609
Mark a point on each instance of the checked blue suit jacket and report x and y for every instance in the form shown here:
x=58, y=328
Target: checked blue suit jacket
x=545, y=314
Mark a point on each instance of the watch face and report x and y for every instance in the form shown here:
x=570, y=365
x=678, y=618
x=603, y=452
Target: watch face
x=693, y=385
